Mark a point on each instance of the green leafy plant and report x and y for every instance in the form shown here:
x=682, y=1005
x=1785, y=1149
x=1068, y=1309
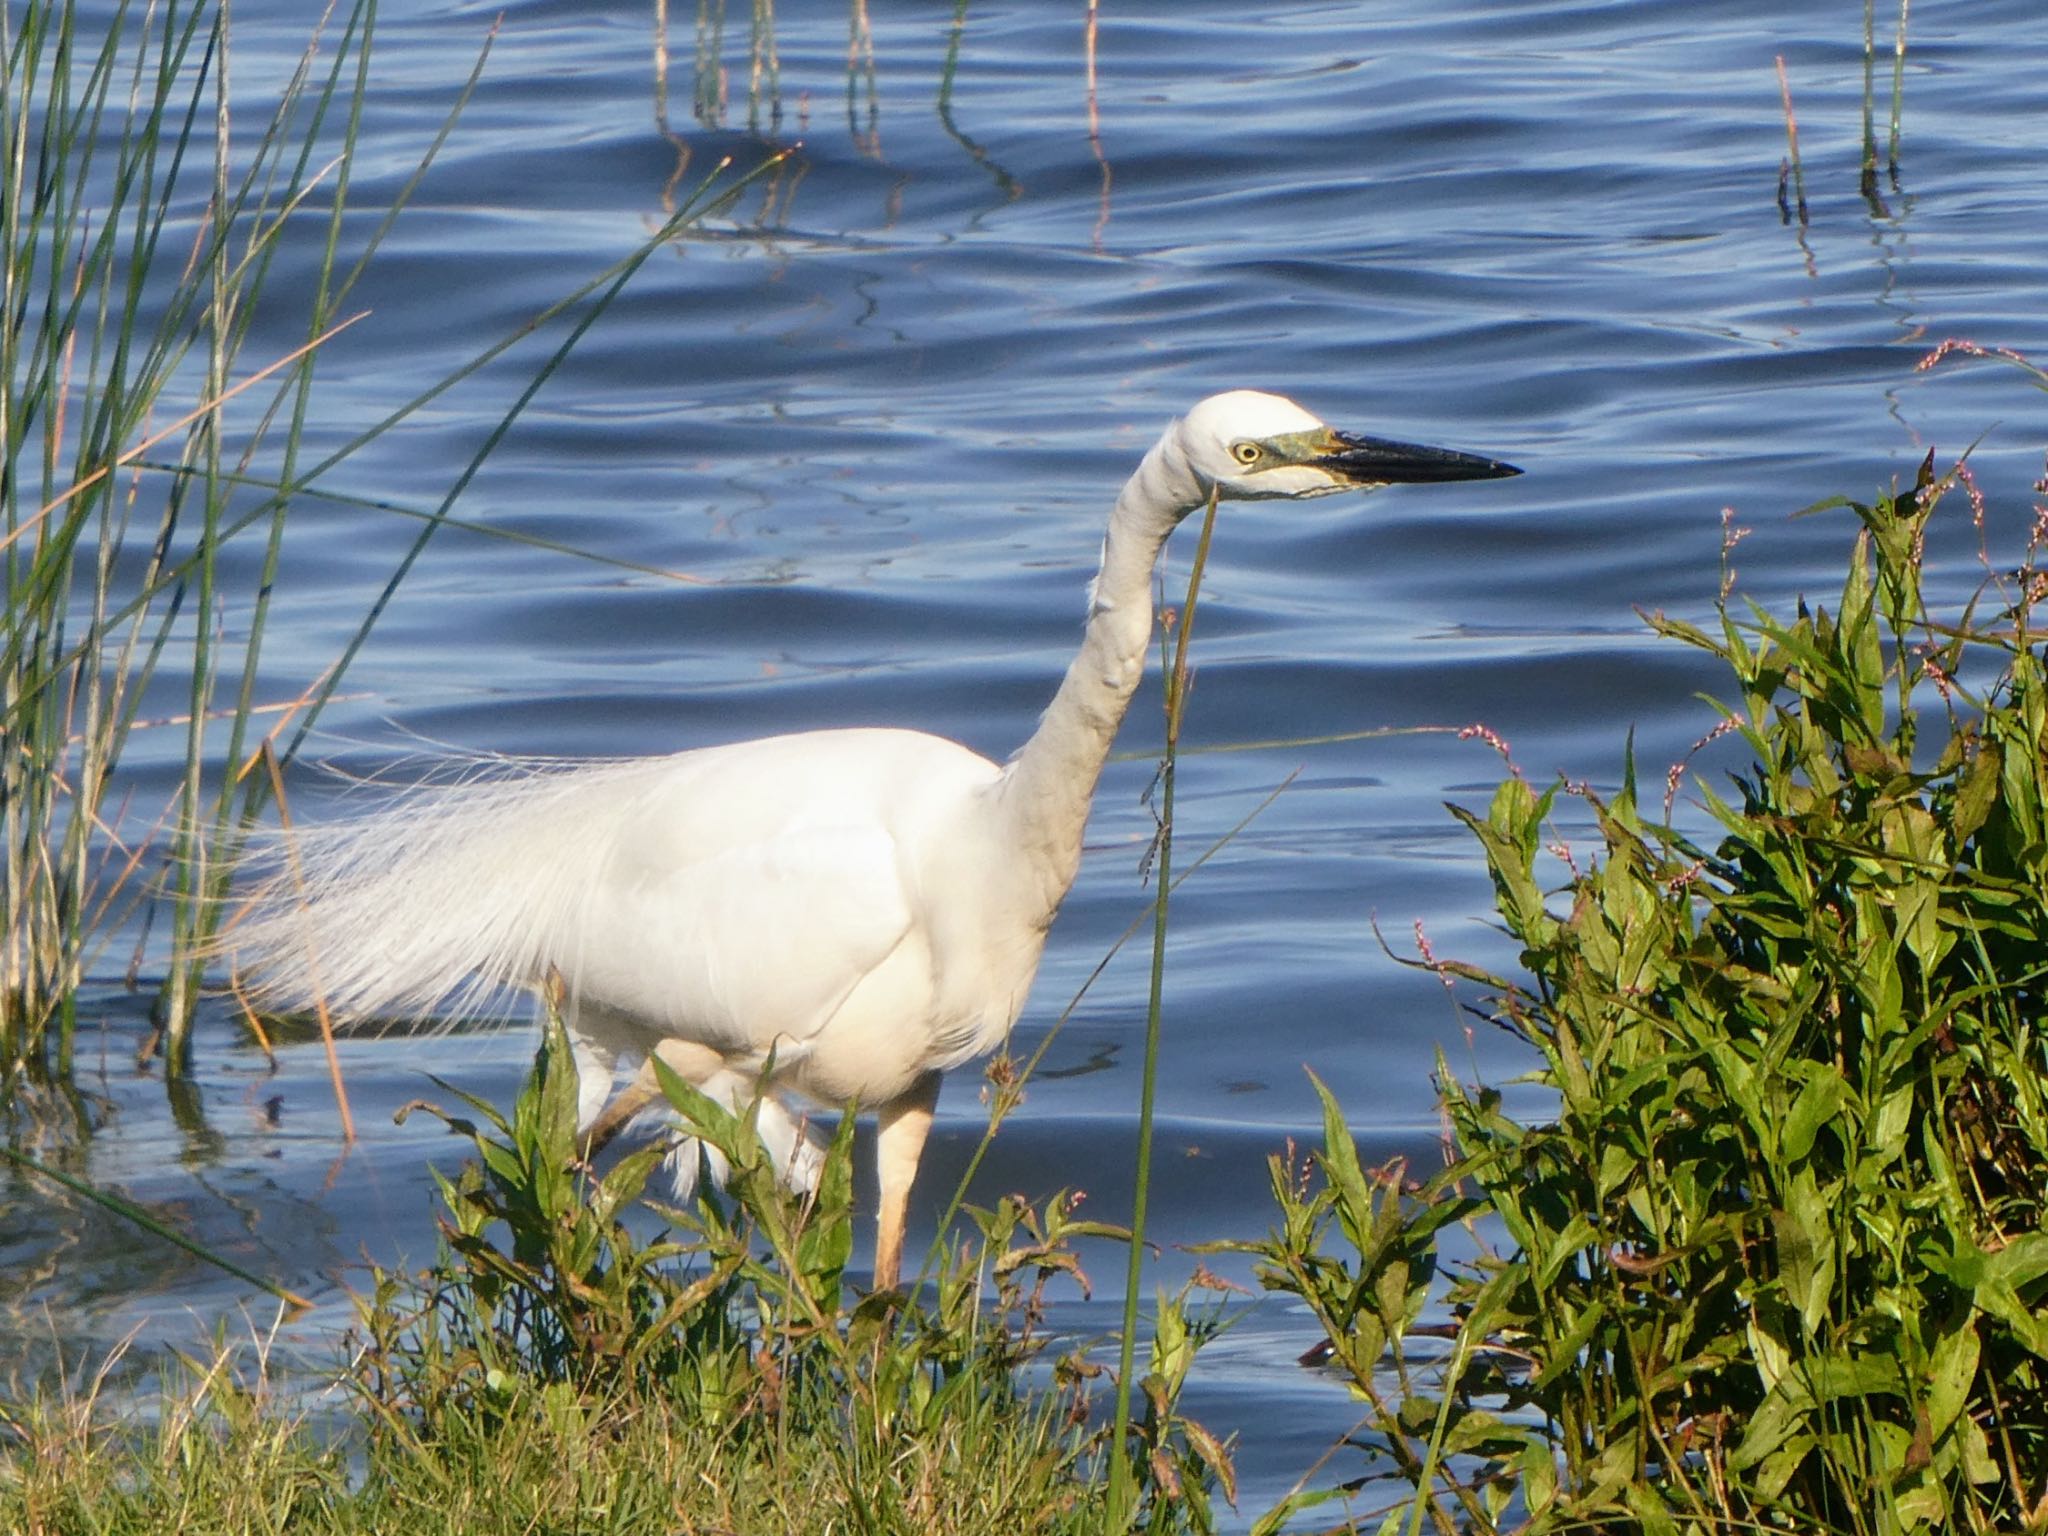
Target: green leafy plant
x=545, y=1304
x=543, y=1286
x=1776, y=1263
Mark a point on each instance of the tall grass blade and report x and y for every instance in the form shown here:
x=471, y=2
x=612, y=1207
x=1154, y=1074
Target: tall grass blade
x=1122, y=1494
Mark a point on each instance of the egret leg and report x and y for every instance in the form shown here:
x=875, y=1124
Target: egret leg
x=686, y=1058
x=905, y=1122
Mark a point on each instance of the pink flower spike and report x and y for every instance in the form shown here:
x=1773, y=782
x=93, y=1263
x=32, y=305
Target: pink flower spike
x=1480, y=732
x=1429, y=958
x=1953, y=345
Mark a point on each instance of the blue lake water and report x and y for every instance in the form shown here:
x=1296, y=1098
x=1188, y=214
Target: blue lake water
x=877, y=409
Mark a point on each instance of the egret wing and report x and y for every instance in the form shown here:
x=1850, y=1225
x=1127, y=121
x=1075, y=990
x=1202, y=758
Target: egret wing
x=750, y=947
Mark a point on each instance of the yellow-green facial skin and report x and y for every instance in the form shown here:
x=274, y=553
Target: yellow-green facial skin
x=1287, y=448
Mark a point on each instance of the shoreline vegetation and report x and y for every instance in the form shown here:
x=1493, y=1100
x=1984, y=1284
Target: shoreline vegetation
x=1775, y=1262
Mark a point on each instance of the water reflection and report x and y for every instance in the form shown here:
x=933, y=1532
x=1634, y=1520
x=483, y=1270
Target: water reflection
x=866, y=132
x=676, y=141
x=202, y=1144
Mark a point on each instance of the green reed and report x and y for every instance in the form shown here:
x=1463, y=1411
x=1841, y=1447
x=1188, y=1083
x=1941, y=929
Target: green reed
x=1869, y=169
x=152, y=462
x=136, y=243
x=1122, y=1493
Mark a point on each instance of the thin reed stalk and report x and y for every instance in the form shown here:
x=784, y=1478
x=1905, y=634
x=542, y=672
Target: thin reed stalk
x=1898, y=91
x=948, y=71
x=1121, y=1490
x=1869, y=183
x=764, y=68
x=1790, y=174
x=1868, y=174
x=128, y=1210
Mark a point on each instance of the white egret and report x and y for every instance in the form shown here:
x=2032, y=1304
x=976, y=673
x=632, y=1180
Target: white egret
x=859, y=910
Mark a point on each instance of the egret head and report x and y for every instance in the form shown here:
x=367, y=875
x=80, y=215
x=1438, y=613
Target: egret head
x=1254, y=446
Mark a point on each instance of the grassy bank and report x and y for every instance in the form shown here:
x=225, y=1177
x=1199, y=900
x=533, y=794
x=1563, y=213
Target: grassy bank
x=227, y=1456
x=552, y=1372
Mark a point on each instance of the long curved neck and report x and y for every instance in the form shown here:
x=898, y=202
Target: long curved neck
x=1045, y=791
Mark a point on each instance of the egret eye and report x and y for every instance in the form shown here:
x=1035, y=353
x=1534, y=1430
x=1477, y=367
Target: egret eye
x=1247, y=454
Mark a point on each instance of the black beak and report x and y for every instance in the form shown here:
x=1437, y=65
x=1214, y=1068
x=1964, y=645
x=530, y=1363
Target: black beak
x=1378, y=461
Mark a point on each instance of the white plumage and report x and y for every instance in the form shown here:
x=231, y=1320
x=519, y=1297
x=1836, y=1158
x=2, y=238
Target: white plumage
x=866, y=907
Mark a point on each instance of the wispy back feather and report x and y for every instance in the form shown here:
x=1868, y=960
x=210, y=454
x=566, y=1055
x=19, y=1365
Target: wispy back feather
x=441, y=896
